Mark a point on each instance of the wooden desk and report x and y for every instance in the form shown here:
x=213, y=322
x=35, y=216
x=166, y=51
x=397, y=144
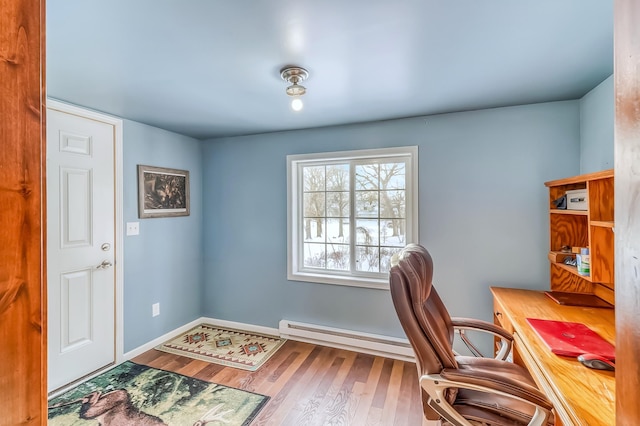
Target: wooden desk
x=580, y=396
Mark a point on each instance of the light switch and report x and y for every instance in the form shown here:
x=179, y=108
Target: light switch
x=133, y=228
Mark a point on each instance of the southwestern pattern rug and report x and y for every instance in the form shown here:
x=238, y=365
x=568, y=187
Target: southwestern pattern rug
x=226, y=346
x=134, y=394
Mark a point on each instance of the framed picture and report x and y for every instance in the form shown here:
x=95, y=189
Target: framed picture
x=162, y=192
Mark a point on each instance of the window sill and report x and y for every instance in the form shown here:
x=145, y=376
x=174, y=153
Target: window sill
x=349, y=281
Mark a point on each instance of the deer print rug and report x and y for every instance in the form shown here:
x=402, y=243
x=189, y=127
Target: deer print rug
x=134, y=394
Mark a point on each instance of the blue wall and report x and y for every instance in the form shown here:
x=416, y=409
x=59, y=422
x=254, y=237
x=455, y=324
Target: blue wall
x=596, y=128
x=164, y=263
x=483, y=213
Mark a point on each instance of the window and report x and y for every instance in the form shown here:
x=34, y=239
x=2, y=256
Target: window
x=349, y=212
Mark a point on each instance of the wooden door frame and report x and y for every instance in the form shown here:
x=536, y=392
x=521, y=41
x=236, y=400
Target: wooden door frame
x=23, y=295
x=57, y=105
x=627, y=211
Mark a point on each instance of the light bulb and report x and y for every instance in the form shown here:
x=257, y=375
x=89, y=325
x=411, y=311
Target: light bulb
x=296, y=104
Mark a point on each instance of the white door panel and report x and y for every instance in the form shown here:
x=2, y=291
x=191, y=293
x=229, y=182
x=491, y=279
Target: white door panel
x=75, y=207
x=81, y=219
x=75, y=300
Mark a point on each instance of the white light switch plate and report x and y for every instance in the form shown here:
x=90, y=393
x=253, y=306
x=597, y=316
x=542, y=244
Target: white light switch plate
x=155, y=309
x=133, y=228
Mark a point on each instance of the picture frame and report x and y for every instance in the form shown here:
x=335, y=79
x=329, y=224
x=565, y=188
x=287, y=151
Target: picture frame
x=162, y=192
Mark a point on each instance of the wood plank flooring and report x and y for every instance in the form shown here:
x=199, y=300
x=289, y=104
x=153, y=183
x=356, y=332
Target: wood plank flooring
x=313, y=385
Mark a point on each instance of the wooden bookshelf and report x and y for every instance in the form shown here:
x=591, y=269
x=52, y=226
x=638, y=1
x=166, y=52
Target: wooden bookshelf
x=592, y=228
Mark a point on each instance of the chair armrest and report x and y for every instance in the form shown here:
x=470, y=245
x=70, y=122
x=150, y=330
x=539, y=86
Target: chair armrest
x=479, y=379
x=437, y=388
x=506, y=338
x=480, y=325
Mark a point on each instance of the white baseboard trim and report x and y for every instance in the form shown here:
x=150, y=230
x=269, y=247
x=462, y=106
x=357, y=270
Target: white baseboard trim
x=374, y=344
x=155, y=342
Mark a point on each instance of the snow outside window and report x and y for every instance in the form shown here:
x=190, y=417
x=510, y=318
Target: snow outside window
x=349, y=212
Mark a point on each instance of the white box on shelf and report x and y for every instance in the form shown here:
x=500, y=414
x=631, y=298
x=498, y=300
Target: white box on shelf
x=577, y=199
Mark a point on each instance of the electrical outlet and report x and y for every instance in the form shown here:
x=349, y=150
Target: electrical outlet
x=155, y=309
x=133, y=228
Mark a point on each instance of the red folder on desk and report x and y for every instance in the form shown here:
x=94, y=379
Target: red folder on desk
x=571, y=338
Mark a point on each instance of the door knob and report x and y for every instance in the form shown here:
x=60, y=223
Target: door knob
x=104, y=265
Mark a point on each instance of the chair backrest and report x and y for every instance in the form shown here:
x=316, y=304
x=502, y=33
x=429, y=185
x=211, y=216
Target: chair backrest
x=422, y=314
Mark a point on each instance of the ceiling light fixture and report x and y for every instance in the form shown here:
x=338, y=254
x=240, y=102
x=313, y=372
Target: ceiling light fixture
x=295, y=75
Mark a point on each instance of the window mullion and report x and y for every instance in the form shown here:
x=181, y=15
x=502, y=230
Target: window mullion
x=379, y=215
x=325, y=220
x=352, y=217
x=300, y=215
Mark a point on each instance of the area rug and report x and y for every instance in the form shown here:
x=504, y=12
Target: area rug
x=226, y=346
x=134, y=394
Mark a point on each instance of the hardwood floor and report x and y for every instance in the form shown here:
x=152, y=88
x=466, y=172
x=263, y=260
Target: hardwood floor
x=315, y=385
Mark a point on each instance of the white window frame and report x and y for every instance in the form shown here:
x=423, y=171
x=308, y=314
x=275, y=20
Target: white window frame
x=295, y=269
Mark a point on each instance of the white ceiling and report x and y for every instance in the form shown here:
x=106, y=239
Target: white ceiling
x=210, y=68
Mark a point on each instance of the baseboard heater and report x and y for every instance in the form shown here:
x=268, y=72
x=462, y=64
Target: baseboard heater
x=391, y=347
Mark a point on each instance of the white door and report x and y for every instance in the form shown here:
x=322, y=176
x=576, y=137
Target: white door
x=80, y=246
